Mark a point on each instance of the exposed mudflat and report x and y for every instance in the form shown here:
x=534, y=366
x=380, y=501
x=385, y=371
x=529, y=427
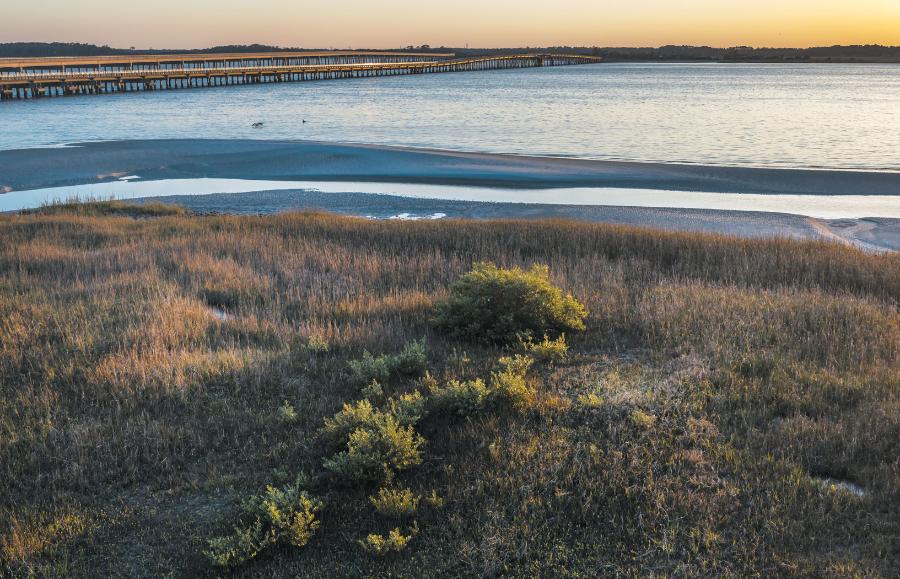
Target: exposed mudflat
x=102, y=162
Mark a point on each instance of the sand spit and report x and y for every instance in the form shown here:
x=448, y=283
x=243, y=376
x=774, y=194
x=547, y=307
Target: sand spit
x=310, y=161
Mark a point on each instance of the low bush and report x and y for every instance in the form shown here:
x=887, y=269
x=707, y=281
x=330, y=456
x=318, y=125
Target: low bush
x=351, y=417
x=549, y=351
x=395, y=503
x=376, y=448
x=280, y=516
x=286, y=413
x=459, y=398
x=377, y=442
x=411, y=361
x=508, y=385
x=407, y=409
x=495, y=305
x=394, y=542
x=368, y=369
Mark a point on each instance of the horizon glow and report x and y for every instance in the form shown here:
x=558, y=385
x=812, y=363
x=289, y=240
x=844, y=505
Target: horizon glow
x=500, y=23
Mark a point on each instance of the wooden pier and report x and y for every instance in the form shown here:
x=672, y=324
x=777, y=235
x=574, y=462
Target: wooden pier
x=46, y=77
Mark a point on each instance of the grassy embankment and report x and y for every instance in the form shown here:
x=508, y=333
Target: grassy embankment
x=691, y=430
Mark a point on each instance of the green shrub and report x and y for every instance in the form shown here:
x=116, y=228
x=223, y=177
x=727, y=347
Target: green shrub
x=395, y=503
x=242, y=545
x=377, y=449
x=286, y=413
x=495, y=305
x=368, y=369
x=551, y=351
x=410, y=361
x=394, y=542
x=517, y=365
x=459, y=398
x=408, y=409
x=508, y=385
x=373, y=391
x=377, y=441
x=351, y=417
x=280, y=516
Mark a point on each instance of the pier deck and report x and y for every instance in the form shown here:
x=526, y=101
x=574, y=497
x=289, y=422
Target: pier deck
x=36, y=78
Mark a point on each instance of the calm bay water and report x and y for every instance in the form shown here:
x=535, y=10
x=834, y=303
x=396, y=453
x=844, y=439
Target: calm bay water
x=775, y=115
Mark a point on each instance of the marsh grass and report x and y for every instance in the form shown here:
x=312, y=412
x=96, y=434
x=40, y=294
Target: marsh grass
x=107, y=208
x=717, y=380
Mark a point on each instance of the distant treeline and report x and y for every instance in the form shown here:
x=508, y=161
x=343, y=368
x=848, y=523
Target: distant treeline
x=858, y=53
x=35, y=49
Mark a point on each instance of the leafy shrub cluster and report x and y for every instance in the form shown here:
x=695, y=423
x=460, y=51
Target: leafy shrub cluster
x=406, y=410
x=495, y=305
x=394, y=542
x=286, y=413
x=372, y=442
x=280, y=516
x=508, y=385
x=395, y=503
x=458, y=398
x=549, y=351
x=411, y=361
x=377, y=443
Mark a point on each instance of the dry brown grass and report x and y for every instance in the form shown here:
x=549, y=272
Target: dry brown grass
x=131, y=416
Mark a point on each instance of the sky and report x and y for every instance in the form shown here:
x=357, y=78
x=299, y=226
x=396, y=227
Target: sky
x=476, y=23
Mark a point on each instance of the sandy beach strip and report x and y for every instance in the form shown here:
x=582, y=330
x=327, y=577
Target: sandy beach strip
x=310, y=161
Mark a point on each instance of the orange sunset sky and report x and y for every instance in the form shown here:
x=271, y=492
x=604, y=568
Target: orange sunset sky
x=492, y=23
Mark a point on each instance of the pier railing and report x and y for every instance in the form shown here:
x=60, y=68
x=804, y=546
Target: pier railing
x=57, y=79
x=18, y=66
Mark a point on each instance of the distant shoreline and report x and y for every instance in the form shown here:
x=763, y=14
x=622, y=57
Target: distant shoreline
x=846, y=54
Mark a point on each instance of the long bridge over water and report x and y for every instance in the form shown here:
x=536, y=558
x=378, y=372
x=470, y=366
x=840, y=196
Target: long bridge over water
x=63, y=76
